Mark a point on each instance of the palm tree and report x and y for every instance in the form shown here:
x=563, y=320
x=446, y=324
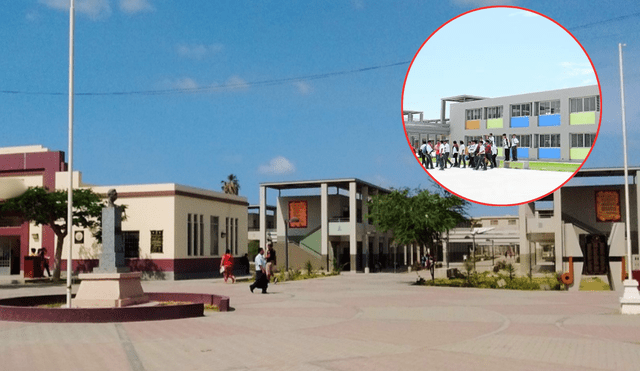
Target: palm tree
x=230, y=186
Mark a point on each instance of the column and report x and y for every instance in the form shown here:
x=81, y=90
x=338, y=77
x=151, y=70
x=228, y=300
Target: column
x=353, y=238
x=445, y=252
x=525, y=212
x=324, y=226
x=443, y=108
x=263, y=216
x=365, y=224
x=558, y=232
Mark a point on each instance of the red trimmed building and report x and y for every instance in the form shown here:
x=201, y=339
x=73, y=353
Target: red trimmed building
x=171, y=231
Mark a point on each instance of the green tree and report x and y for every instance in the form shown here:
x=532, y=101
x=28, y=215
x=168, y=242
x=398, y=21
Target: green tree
x=42, y=207
x=231, y=185
x=417, y=216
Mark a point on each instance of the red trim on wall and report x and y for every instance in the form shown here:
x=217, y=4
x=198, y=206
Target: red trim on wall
x=178, y=193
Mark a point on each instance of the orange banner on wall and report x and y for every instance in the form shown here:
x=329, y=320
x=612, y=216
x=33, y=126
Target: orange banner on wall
x=608, y=206
x=298, y=209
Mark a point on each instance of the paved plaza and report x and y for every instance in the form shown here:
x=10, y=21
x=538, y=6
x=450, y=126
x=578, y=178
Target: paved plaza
x=499, y=186
x=349, y=322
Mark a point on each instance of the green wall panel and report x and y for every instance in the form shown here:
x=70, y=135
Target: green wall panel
x=494, y=123
x=582, y=118
x=579, y=153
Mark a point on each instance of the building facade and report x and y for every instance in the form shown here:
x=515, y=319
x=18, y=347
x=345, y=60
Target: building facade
x=585, y=226
x=326, y=224
x=170, y=231
x=554, y=125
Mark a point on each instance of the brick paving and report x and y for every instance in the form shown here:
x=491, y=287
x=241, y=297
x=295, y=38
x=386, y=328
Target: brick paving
x=349, y=322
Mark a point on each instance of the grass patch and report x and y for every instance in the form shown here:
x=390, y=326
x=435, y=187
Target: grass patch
x=593, y=284
x=554, y=166
x=487, y=280
x=211, y=307
x=52, y=305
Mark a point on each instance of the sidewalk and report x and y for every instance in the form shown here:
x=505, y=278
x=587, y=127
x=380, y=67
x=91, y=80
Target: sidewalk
x=347, y=322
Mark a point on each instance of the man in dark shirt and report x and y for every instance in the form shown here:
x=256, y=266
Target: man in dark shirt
x=271, y=262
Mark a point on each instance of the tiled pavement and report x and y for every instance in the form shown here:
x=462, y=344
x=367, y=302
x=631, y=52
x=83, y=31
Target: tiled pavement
x=350, y=322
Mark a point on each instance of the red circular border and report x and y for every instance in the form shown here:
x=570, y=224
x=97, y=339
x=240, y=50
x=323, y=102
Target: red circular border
x=509, y=7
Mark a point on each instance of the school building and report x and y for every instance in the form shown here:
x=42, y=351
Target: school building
x=583, y=225
x=554, y=125
x=323, y=222
x=171, y=231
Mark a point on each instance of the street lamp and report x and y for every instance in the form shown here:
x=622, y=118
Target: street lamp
x=474, y=232
x=286, y=240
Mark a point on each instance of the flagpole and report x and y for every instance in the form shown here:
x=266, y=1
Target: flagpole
x=630, y=300
x=70, y=164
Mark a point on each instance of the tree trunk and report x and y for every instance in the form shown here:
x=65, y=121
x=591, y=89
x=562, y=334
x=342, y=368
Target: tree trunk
x=58, y=256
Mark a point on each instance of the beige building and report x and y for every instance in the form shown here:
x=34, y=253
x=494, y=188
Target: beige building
x=171, y=231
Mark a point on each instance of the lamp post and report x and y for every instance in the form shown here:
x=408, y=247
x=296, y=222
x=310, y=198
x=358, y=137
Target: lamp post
x=286, y=240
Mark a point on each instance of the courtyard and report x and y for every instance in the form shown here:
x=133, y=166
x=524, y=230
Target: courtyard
x=347, y=322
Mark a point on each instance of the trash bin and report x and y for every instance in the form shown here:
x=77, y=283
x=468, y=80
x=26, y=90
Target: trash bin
x=33, y=267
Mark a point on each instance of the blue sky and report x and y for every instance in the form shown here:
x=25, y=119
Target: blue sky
x=269, y=90
x=494, y=52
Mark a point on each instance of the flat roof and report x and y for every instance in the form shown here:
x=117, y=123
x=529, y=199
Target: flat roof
x=463, y=98
x=605, y=171
x=342, y=183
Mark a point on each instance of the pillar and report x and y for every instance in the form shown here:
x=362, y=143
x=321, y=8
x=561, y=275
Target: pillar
x=353, y=213
x=263, y=216
x=324, y=226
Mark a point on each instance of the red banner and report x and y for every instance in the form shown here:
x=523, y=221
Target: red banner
x=298, y=209
x=608, y=206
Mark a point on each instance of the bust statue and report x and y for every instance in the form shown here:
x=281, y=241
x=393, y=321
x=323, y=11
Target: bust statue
x=113, y=196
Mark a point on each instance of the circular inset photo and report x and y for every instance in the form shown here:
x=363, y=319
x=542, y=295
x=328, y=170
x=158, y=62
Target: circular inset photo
x=501, y=106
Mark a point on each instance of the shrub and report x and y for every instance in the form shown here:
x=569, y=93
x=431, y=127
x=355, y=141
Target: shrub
x=309, y=267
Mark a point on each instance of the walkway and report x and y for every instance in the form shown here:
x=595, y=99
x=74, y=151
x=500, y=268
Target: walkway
x=349, y=322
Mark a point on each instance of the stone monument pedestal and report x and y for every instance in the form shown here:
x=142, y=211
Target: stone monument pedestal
x=108, y=290
x=630, y=300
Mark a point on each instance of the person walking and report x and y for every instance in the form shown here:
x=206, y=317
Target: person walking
x=472, y=154
x=463, y=154
x=447, y=154
x=45, y=260
x=480, y=158
x=506, y=145
x=226, y=265
x=514, y=147
x=455, y=151
x=494, y=154
x=437, y=151
x=422, y=150
x=271, y=263
x=261, y=273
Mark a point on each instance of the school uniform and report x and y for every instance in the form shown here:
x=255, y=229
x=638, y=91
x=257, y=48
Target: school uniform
x=514, y=148
x=507, y=147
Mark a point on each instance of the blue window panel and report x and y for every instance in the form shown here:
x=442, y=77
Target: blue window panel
x=520, y=122
x=523, y=153
x=549, y=120
x=549, y=153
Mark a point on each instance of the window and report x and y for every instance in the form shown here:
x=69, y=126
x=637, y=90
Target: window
x=156, y=242
x=588, y=104
x=189, y=243
x=512, y=222
x=549, y=141
x=520, y=110
x=493, y=112
x=474, y=114
x=131, y=244
x=236, y=237
x=494, y=221
x=582, y=140
x=525, y=140
x=213, y=228
x=201, y=235
x=226, y=233
x=550, y=107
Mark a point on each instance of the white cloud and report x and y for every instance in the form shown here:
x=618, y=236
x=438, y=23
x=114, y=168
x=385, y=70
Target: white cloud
x=303, y=87
x=135, y=6
x=277, y=166
x=573, y=69
x=236, y=82
x=185, y=83
x=94, y=9
x=358, y=4
x=198, y=51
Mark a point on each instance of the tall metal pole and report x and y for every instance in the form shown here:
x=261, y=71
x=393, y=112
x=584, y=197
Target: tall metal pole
x=286, y=244
x=70, y=167
x=626, y=169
